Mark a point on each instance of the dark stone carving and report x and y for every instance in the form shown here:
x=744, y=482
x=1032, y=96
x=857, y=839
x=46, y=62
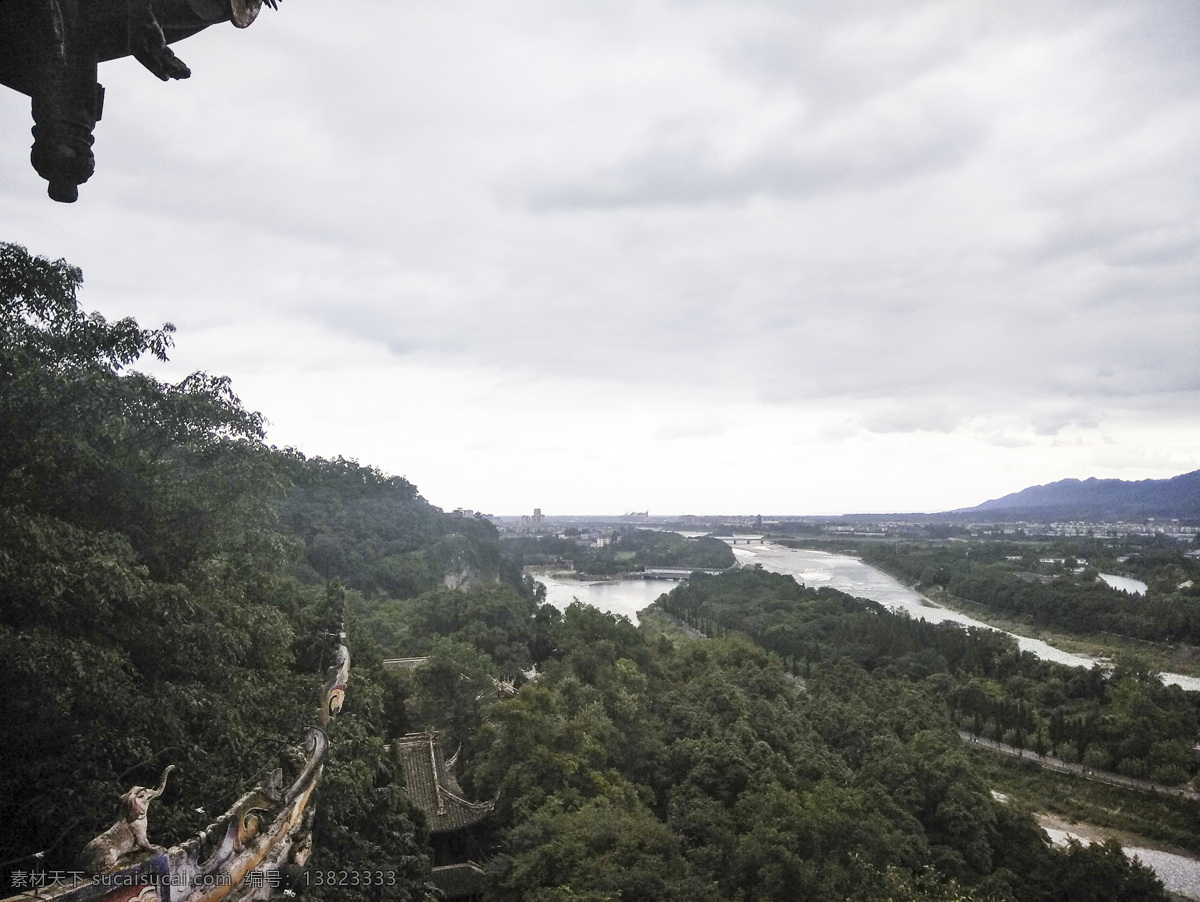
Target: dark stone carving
x=50, y=50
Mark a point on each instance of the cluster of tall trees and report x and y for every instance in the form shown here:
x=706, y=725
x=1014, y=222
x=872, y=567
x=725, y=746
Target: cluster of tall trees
x=714, y=770
x=1127, y=721
x=708, y=771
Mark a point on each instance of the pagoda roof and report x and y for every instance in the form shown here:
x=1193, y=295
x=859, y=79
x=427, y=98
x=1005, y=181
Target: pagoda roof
x=432, y=786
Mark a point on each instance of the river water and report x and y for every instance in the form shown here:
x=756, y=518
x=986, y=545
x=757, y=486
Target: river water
x=1125, y=583
x=814, y=569
x=617, y=596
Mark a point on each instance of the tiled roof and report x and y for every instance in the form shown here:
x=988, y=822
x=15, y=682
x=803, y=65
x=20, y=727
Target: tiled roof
x=432, y=786
x=460, y=880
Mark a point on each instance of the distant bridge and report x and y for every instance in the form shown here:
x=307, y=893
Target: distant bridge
x=741, y=540
x=404, y=663
x=674, y=572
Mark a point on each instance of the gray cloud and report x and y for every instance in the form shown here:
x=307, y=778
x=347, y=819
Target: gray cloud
x=676, y=167
x=934, y=219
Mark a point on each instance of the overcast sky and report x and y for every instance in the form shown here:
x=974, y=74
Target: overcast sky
x=690, y=256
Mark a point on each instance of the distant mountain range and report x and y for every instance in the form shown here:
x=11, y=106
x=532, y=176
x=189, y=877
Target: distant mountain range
x=1099, y=498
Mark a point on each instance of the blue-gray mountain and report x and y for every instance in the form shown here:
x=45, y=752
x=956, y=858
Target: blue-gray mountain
x=1175, y=497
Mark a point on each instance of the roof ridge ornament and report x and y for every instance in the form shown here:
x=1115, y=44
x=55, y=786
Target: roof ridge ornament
x=50, y=51
x=266, y=831
x=128, y=835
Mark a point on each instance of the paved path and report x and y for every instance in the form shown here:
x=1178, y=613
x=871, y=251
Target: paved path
x=1088, y=773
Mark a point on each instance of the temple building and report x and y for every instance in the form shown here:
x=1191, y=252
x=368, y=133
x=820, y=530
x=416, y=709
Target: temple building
x=455, y=825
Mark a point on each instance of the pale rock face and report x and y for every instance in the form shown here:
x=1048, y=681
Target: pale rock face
x=467, y=577
x=460, y=579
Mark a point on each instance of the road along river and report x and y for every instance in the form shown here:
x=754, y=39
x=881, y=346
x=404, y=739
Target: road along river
x=814, y=569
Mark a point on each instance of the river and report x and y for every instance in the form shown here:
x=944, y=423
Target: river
x=814, y=569
x=1125, y=583
x=617, y=596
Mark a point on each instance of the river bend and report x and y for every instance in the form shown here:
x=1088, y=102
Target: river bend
x=814, y=569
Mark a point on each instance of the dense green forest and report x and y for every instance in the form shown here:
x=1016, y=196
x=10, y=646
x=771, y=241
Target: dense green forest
x=645, y=771
x=708, y=771
x=163, y=592
x=632, y=550
x=1129, y=722
x=166, y=586
x=1011, y=579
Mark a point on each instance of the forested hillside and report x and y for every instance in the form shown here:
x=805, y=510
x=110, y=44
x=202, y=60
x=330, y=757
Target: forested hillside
x=1129, y=721
x=163, y=592
x=376, y=534
x=707, y=771
x=165, y=581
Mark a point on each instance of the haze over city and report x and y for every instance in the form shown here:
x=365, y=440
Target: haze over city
x=679, y=257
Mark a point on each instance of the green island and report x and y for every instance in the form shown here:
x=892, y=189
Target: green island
x=171, y=585
x=1052, y=590
x=1163, y=657
x=631, y=551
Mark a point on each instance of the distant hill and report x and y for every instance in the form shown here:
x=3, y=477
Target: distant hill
x=1175, y=497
